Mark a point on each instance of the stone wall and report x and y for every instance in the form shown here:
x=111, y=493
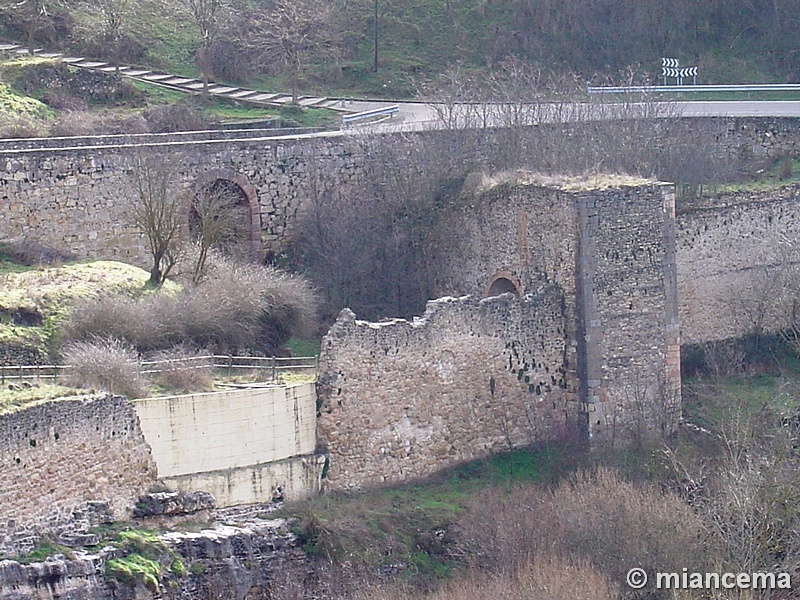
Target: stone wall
x=628, y=310
x=66, y=463
x=470, y=377
x=79, y=199
x=75, y=193
x=737, y=261
x=609, y=243
x=242, y=446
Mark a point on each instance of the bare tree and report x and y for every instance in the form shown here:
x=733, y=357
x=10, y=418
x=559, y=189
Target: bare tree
x=158, y=213
x=114, y=14
x=290, y=32
x=209, y=17
x=32, y=15
x=217, y=221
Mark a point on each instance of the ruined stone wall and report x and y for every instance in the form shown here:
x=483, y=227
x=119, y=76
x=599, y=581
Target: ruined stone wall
x=737, y=264
x=67, y=462
x=612, y=251
x=629, y=351
x=403, y=399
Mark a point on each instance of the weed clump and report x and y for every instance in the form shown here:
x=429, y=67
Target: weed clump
x=105, y=364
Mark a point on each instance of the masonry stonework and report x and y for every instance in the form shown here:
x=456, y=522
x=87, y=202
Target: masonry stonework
x=737, y=257
x=67, y=463
x=403, y=399
x=610, y=245
x=585, y=339
x=75, y=193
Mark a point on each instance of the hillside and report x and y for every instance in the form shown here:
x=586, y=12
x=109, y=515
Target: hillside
x=728, y=41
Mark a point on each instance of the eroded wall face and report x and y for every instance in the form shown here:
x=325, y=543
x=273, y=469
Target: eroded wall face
x=628, y=311
x=404, y=399
x=65, y=460
x=738, y=265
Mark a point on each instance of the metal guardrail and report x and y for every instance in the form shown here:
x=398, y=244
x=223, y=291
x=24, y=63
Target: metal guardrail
x=367, y=114
x=272, y=365
x=661, y=89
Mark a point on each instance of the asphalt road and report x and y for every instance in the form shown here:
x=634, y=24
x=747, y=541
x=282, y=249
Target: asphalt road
x=416, y=116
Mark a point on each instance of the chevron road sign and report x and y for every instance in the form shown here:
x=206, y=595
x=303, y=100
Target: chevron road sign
x=668, y=65
x=670, y=68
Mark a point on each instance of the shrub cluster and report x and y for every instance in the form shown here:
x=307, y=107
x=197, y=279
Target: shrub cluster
x=235, y=309
x=105, y=365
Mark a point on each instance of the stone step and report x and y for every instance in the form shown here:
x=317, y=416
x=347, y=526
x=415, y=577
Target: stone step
x=71, y=60
x=282, y=99
x=49, y=54
x=180, y=81
x=311, y=101
x=156, y=77
x=134, y=72
x=222, y=89
x=243, y=94
x=195, y=86
x=90, y=64
x=8, y=47
x=263, y=97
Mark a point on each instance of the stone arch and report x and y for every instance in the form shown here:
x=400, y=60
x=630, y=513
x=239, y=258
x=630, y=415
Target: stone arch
x=246, y=197
x=503, y=282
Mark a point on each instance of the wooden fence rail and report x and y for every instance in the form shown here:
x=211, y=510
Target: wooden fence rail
x=229, y=364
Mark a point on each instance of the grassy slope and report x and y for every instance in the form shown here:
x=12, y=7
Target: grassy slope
x=50, y=292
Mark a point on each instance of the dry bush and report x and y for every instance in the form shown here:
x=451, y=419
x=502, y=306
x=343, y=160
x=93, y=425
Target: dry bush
x=111, y=316
x=175, y=117
x=236, y=308
x=76, y=122
x=108, y=365
x=596, y=517
x=29, y=253
x=183, y=370
x=544, y=578
x=21, y=127
x=263, y=306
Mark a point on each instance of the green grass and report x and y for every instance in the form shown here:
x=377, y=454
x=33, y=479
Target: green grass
x=298, y=347
x=147, y=559
x=44, y=550
x=51, y=291
x=12, y=399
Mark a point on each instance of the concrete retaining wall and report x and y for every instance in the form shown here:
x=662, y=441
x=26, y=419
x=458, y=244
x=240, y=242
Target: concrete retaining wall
x=242, y=446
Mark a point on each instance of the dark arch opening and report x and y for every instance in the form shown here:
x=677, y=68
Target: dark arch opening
x=221, y=217
x=502, y=285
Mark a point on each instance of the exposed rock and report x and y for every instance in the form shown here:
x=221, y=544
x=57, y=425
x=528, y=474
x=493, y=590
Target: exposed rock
x=172, y=503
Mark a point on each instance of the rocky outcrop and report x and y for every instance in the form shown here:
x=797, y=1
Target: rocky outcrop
x=261, y=559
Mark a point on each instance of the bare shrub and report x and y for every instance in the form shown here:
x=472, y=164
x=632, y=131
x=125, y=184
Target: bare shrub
x=183, y=369
x=108, y=365
x=596, y=517
x=236, y=308
x=263, y=306
x=175, y=117
x=110, y=316
x=21, y=127
x=544, y=578
x=76, y=123
x=30, y=253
